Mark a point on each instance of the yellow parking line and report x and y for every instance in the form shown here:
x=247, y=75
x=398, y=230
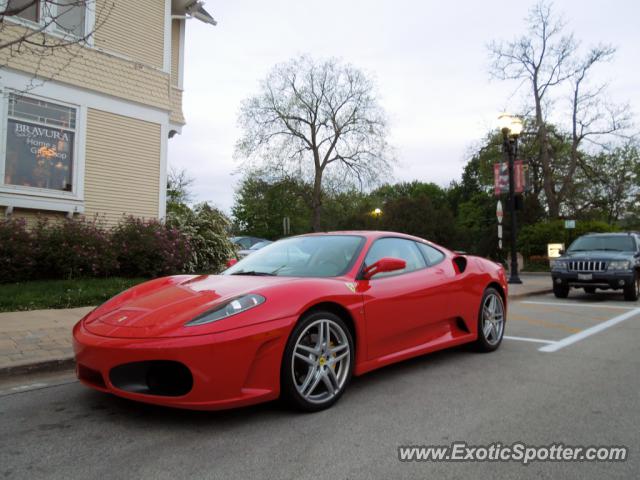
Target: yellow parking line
x=543, y=323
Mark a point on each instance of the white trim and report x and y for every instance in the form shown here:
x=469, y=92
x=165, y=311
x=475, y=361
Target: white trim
x=34, y=195
x=52, y=89
x=41, y=203
x=166, y=58
x=181, y=55
x=162, y=197
x=177, y=127
x=82, y=99
x=90, y=22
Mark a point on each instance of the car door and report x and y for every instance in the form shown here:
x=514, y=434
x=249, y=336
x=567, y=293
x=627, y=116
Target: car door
x=406, y=308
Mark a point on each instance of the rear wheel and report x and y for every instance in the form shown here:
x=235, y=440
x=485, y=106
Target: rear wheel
x=491, y=320
x=589, y=289
x=560, y=291
x=318, y=362
x=632, y=290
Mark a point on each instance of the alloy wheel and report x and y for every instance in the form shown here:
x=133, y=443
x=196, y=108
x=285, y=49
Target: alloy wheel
x=321, y=360
x=492, y=318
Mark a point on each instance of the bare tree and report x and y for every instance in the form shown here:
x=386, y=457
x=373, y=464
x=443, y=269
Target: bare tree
x=315, y=121
x=40, y=29
x=549, y=61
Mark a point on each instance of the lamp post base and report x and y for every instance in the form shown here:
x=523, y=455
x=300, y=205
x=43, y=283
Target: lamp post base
x=514, y=279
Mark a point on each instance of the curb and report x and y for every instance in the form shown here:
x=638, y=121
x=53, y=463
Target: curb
x=55, y=365
x=530, y=294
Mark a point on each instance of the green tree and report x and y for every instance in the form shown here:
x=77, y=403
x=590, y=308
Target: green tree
x=260, y=207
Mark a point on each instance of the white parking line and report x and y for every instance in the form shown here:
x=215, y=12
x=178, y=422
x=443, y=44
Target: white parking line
x=571, y=339
x=526, y=339
x=577, y=304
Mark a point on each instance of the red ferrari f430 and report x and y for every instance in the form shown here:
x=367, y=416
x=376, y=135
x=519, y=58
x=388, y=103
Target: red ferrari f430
x=295, y=319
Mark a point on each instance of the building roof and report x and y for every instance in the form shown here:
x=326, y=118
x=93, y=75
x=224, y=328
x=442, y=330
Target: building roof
x=193, y=9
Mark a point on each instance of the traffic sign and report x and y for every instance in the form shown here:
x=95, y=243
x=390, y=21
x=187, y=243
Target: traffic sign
x=569, y=224
x=499, y=211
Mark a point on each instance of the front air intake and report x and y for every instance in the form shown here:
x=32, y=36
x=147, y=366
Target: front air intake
x=156, y=377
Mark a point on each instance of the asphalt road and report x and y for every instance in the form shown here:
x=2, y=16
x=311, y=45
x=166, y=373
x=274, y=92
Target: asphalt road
x=586, y=392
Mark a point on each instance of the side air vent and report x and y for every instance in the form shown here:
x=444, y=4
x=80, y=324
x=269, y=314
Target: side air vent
x=460, y=263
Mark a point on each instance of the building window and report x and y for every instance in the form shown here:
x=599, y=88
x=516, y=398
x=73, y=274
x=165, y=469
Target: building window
x=25, y=9
x=70, y=17
x=40, y=146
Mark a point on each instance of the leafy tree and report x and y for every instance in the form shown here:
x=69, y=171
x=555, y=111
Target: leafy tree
x=316, y=120
x=261, y=205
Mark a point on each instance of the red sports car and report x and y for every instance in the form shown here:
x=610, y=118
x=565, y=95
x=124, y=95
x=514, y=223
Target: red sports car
x=297, y=318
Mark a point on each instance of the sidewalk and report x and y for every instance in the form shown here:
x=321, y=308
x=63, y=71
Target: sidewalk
x=41, y=339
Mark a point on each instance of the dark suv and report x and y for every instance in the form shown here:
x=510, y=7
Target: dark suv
x=599, y=260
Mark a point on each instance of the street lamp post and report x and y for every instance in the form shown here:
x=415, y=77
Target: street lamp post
x=511, y=128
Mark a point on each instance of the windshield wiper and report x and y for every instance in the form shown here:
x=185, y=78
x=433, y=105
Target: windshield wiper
x=254, y=273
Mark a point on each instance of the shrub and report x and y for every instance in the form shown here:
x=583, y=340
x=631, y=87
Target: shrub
x=206, y=229
x=533, y=239
x=73, y=248
x=149, y=248
x=17, y=260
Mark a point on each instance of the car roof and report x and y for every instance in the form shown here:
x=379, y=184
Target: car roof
x=609, y=234
x=369, y=234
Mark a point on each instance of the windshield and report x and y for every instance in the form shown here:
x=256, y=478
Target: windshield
x=604, y=242
x=313, y=256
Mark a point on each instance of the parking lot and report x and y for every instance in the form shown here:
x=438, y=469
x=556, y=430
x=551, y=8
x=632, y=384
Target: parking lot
x=567, y=372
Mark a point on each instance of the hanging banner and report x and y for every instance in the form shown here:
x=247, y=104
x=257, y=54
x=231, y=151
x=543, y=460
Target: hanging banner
x=501, y=177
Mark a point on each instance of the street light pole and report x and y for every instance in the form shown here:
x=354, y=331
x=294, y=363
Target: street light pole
x=511, y=128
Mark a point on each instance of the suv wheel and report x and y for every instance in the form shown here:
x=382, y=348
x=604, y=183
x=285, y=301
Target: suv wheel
x=589, y=289
x=631, y=290
x=560, y=291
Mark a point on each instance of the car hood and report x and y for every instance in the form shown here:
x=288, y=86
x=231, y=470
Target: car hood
x=596, y=255
x=161, y=309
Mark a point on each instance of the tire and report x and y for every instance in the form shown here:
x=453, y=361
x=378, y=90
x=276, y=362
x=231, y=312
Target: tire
x=631, y=292
x=590, y=290
x=560, y=291
x=491, y=321
x=316, y=366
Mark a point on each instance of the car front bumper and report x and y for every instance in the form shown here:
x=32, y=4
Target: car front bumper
x=611, y=280
x=229, y=369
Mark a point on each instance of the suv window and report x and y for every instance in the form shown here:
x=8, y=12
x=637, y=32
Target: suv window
x=406, y=250
x=433, y=255
x=620, y=243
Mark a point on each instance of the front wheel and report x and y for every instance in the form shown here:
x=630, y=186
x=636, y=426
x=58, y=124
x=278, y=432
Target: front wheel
x=560, y=291
x=632, y=291
x=317, y=362
x=491, y=321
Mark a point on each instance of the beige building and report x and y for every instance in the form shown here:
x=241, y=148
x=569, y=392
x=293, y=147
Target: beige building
x=91, y=136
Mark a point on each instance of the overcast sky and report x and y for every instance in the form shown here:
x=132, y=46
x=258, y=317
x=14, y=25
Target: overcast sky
x=428, y=59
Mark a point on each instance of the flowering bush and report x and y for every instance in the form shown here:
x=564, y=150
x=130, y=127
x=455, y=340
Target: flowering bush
x=73, y=248
x=206, y=228
x=82, y=247
x=149, y=248
x=17, y=259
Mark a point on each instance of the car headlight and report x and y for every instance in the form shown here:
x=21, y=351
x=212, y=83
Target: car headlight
x=619, y=265
x=227, y=309
x=558, y=265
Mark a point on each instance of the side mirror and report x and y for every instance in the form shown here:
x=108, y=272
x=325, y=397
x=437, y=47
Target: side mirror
x=561, y=251
x=387, y=264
